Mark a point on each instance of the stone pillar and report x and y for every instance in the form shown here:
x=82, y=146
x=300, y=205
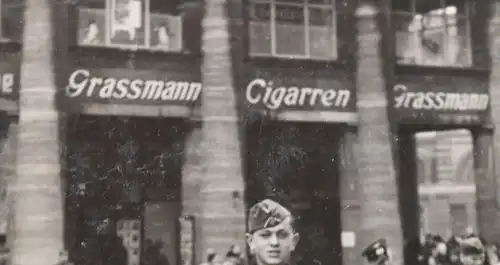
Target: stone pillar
x=221, y=216
x=380, y=216
x=487, y=184
x=494, y=39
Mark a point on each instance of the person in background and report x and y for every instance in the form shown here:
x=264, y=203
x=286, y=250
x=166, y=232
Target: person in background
x=91, y=33
x=163, y=35
x=233, y=256
x=212, y=258
x=377, y=253
x=271, y=235
x=472, y=251
x=110, y=244
x=492, y=254
x=453, y=250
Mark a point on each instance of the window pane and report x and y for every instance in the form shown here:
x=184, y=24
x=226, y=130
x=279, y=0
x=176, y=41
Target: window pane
x=290, y=30
x=12, y=19
x=166, y=32
x=432, y=39
x=426, y=6
x=260, y=29
x=459, y=49
x=165, y=28
x=127, y=22
x=407, y=27
x=422, y=171
x=439, y=37
x=92, y=26
x=322, y=33
x=459, y=219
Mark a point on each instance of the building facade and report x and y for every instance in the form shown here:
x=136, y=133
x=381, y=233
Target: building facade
x=330, y=95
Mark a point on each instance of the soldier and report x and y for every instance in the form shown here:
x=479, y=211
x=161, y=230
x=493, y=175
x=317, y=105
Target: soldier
x=271, y=237
x=377, y=253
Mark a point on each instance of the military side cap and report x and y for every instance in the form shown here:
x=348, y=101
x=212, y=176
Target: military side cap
x=471, y=246
x=375, y=250
x=266, y=214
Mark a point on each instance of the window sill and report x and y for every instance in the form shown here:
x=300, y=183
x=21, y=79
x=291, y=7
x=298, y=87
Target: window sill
x=310, y=63
x=442, y=70
x=135, y=53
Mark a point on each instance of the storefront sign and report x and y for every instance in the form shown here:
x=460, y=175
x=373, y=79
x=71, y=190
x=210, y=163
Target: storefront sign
x=96, y=86
x=261, y=91
x=9, y=80
x=441, y=100
x=7, y=83
x=284, y=92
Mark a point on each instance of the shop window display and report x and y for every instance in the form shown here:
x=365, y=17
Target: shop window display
x=137, y=24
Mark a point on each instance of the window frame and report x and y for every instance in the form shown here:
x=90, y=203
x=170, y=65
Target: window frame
x=307, y=43
x=3, y=37
x=147, y=16
x=414, y=37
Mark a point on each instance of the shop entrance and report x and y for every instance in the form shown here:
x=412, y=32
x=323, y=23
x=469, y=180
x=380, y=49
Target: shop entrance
x=296, y=164
x=436, y=185
x=123, y=186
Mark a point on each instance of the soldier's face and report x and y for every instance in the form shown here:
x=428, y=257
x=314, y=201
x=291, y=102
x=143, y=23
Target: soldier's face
x=273, y=246
x=476, y=259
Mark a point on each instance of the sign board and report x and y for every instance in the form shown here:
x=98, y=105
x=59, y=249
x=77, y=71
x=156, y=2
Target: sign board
x=187, y=239
x=324, y=96
x=440, y=100
x=130, y=233
x=9, y=81
x=132, y=86
x=348, y=239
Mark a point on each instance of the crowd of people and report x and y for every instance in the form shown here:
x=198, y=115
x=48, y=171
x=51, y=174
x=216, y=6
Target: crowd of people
x=233, y=257
x=468, y=249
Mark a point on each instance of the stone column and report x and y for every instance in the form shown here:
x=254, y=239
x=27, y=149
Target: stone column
x=494, y=39
x=487, y=184
x=380, y=216
x=221, y=213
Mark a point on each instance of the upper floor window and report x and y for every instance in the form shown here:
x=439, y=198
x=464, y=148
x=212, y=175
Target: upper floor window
x=495, y=29
x=433, y=32
x=11, y=20
x=293, y=28
x=146, y=24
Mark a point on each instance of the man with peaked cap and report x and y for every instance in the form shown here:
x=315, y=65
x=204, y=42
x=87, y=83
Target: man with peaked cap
x=271, y=236
x=376, y=252
x=472, y=251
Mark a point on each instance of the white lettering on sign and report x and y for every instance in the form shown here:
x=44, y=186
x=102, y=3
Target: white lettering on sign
x=440, y=100
x=7, y=83
x=259, y=90
x=82, y=84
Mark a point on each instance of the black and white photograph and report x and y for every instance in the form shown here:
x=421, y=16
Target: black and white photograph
x=249, y=132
